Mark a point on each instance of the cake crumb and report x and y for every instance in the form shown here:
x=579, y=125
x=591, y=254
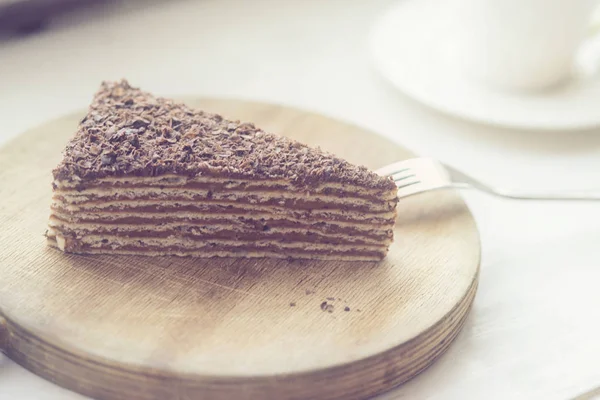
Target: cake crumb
x=327, y=307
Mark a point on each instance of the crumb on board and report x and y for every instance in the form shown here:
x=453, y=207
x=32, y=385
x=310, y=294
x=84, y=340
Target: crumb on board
x=327, y=307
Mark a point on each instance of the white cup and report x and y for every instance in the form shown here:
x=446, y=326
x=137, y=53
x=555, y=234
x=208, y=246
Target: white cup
x=521, y=44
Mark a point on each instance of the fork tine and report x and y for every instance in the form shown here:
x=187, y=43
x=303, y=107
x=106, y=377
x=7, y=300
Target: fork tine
x=392, y=169
x=398, y=171
x=407, y=184
x=416, y=175
x=400, y=177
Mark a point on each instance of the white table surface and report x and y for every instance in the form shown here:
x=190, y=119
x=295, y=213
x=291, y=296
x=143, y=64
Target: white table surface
x=534, y=331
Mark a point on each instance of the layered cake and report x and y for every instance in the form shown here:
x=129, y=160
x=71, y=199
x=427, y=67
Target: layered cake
x=149, y=176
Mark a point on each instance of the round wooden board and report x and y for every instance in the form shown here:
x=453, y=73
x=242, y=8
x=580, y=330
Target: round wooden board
x=117, y=327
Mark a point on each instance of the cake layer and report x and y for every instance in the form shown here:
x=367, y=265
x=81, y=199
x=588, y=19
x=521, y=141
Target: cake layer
x=106, y=240
x=296, y=200
x=232, y=199
x=237, y=227
x=215, y=185
x=74, y=182
x=148, y=208
x=223, y=251
x=209, y=232
x=239, y=219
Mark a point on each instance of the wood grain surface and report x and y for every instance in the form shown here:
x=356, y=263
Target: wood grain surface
x=118, y=327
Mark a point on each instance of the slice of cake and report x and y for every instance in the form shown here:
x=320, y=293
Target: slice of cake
x=149, y=176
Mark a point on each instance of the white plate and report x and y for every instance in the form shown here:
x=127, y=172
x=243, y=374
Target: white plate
x=413, y=48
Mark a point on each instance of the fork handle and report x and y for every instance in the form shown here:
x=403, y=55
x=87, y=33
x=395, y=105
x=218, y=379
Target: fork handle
x=546, y=196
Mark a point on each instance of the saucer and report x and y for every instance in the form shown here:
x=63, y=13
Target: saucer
x=413, y=48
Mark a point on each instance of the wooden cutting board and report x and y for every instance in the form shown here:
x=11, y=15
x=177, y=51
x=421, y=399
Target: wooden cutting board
x=179, y=328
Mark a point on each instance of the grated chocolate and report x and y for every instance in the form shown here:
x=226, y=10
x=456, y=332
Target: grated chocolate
x=130, y=132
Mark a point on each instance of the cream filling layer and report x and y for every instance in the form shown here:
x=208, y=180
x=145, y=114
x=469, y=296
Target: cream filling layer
x=209, y=254
x=87, y=229
x=178, y=180
x=369, y=224
x=131, y=206
x=94, y=195
x=119, y=241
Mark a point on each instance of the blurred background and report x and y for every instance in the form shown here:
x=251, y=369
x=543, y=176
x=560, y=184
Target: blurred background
x=313, y=54
x=18, y=17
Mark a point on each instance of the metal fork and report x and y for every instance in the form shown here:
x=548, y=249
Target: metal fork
x=419, y=175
